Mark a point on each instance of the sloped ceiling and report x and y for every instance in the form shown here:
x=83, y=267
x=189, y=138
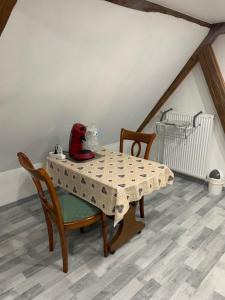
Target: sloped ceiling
x=212, y=11
x=87, y=61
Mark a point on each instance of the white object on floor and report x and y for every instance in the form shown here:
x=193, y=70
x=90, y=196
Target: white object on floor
x=215, y=186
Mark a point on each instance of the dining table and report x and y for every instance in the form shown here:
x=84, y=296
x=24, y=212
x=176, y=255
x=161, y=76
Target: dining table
x=114, y=182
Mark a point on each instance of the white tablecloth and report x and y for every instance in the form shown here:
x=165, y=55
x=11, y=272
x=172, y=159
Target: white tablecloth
x=110, y=182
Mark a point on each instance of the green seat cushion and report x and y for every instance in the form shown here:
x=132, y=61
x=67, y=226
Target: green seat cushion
x=75, y=209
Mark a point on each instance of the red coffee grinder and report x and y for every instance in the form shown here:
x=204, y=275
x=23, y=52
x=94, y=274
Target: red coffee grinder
x=77, y=137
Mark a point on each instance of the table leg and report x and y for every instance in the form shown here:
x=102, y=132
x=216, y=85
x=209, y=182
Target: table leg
x=128, y=228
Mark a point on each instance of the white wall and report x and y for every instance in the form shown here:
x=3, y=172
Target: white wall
x=192, y=96
x=87, y=61
x=15, y=184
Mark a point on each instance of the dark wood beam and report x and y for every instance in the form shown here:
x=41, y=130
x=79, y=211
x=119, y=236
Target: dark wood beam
x=177, y=81
x=214, y=79
x=147, y=6
x=215, y=31
x=6, y=7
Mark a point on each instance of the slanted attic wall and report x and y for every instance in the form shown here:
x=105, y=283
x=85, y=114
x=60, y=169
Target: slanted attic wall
x=87, y=61
x=192, y=96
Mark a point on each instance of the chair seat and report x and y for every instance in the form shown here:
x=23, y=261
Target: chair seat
x=75, y=209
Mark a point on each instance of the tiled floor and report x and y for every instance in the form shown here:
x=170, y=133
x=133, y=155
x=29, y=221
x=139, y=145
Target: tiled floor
x=179, y=255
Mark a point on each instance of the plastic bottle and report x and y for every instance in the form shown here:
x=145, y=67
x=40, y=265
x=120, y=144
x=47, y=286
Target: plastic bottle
x=92, y=138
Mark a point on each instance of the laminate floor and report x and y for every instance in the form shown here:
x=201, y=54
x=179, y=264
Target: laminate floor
x=179, y=255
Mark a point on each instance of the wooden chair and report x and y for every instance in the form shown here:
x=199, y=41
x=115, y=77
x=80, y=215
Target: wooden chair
x=67, y=212
x=138, y=138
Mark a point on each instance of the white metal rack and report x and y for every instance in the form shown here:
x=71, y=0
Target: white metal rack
x=176, y=128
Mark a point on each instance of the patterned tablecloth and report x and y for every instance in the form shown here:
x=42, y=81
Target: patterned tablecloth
x=111, y=181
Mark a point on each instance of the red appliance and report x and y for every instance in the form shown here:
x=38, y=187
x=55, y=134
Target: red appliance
x=77, y=138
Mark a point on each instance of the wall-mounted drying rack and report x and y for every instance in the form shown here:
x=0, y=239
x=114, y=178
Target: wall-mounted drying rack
x=176, y=128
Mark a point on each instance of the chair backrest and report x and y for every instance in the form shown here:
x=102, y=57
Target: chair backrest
x=50, y=206
x=138, y=138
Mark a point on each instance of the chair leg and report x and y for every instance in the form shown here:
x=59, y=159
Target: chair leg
x=141, y=205
x=63, y=247
x=105, y=235
x=50, y=232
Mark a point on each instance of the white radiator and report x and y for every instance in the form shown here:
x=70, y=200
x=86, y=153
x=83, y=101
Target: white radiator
x=186, y=151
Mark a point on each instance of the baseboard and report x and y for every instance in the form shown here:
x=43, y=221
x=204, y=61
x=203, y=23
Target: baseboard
x=16, y=184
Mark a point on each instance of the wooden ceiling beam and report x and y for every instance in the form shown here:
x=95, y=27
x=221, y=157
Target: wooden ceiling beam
x=6, y=7
x=177, y=81
x=214, y=79
x=215, y=31
x=147, y=6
